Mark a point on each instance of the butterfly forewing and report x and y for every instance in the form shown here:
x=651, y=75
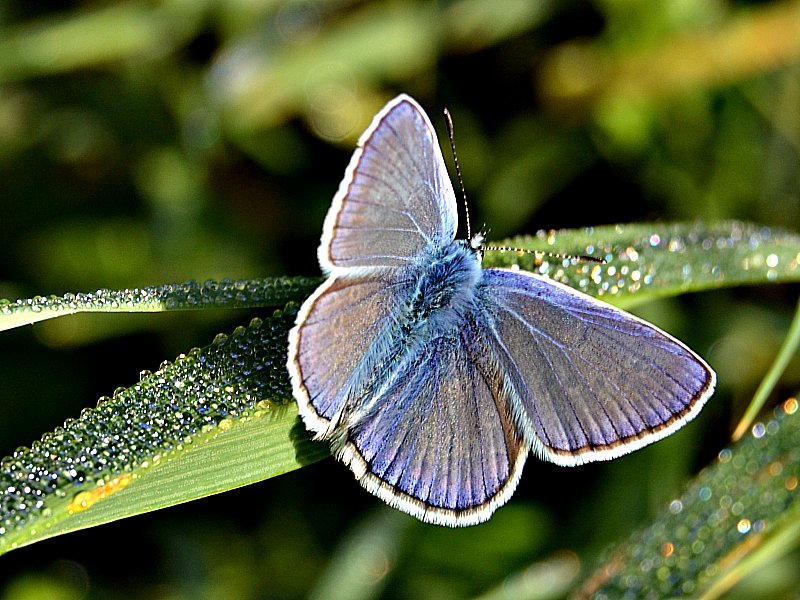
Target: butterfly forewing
x=396, y=198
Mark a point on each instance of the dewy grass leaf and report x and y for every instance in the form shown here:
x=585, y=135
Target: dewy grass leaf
x=744, y=504
x=275, y=291
x=222, y=416
x=646, y=261
x=213, y=420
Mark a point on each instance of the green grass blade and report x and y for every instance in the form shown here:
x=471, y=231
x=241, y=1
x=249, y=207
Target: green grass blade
x=272, y=291
x=737, y=513
x=213, y=420
x=654, y=260
x=643, y=261
x=782, y=540
x=785, y=354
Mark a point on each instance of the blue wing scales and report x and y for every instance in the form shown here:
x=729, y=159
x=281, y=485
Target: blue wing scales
x=439, y=423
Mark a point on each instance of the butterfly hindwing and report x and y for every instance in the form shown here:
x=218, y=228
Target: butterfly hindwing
x=440, y=440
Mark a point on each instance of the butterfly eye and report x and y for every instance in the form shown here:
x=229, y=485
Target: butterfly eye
x=476, y=243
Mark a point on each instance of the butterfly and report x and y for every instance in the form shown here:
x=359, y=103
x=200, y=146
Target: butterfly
x=433, y=378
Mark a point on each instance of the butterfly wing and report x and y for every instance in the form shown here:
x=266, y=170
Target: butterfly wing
x=333, y=348
x=395, y=199
x=439, y=441
x=429, y=429
x=592, y=382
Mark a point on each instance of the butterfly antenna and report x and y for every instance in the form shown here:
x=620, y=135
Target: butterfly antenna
x=540, y=253
x=458, y=171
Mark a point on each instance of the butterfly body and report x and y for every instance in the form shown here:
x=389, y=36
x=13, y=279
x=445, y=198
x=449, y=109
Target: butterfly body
x=445, y=285
x=432, y=378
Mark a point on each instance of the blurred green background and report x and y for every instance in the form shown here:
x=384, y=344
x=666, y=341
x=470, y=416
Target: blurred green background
x=145, y=142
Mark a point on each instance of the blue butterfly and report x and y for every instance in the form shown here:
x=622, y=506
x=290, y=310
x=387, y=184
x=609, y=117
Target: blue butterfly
x=433, y=378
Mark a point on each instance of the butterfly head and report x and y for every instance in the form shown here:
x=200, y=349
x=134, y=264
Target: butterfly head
x=477, y=244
